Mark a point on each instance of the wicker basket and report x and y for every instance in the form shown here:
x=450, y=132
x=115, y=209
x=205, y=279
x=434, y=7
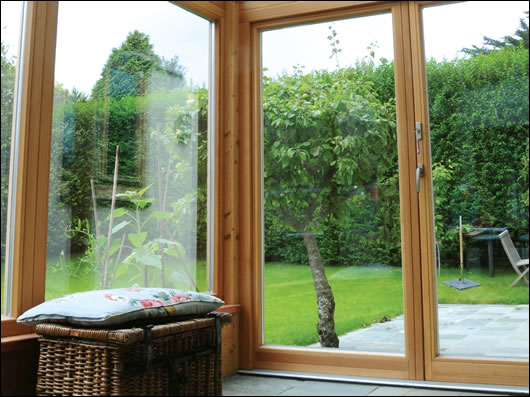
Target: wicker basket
x=179, y=358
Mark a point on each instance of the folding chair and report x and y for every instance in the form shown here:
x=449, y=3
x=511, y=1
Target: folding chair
x=519, y=265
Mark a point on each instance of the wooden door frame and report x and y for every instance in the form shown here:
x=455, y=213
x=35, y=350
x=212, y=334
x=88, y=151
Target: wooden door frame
x=444, y=368
x=253, y=354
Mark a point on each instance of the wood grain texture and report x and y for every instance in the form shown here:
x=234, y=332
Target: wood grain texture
x=230, y=155
x=258, y=11
x=213, y=10
x=31, y=204
x=246, y=198
x=408, y=198
x=441, y=368
x=230, y=352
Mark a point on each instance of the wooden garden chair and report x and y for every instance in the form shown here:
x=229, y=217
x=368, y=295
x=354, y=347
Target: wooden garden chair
x=519, y=265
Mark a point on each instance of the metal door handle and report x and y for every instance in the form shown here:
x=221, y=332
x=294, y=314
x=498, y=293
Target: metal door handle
x=419, y=173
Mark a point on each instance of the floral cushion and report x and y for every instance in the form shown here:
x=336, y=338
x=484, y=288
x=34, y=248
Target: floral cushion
x=116, y=306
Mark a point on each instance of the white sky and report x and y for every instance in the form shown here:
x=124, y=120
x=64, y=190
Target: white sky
x=88, y=31
x=447, y=30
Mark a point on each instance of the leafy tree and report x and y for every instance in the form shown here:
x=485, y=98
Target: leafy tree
x=128, y=68
x=324, y=133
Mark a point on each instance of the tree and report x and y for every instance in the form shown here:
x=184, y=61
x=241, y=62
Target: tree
x=324, y=133
x=128, y=68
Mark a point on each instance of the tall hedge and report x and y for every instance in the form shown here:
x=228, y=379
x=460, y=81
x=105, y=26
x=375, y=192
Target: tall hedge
x=479, y=139
x=479, y=135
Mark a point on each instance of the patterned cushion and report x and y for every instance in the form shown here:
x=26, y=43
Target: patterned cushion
x=117, y=306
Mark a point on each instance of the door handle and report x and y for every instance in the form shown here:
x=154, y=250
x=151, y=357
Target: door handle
x=419, y=174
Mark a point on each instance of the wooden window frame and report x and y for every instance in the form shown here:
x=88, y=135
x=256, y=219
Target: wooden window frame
x=502, y=371
x=253, y=21
x=237, y=183
x=420, y=303
x=31, y=207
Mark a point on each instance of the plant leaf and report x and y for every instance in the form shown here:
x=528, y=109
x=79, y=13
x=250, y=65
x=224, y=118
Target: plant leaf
x=137, y=239
x=119, y=226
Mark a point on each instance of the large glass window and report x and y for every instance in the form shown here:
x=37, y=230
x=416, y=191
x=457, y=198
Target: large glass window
x=11, y=40
x=332, y=231
x=477, y=74
x=129, y=176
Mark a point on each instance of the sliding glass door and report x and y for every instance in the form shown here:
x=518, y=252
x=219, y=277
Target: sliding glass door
x=334, y=177
x=389, y=149
x=475, y=241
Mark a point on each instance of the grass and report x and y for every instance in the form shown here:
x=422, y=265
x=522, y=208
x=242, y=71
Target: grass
x=59, y=284
x=290, y=300
x=492, y=290
x=363, y=296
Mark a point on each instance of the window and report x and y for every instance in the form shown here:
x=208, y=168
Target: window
x=129, y=172
x=169, y=106
x=11, y=40
x=332, y=239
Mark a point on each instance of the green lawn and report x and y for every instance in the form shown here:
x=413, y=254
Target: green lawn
x=362, y=296
x=58, y=284
x=491, y=290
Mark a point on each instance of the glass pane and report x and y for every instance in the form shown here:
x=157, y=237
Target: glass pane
x=128, y=201
x=477, y=75
x=11, y=38
x=332, y=241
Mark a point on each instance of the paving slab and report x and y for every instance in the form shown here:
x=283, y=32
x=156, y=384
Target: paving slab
x=468, y=330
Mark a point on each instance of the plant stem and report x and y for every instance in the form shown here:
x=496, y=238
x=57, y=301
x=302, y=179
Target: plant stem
x=117, y=260
x=96, y=221
x=111, y=221
x=160, y=204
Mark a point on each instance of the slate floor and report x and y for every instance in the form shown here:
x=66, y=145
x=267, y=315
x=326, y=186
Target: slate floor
x=248, y=385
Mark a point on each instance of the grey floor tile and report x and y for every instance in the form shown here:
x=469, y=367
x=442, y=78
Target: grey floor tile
x=313, y=388
x=245, y=385
x=239, y=385
x=389, y=391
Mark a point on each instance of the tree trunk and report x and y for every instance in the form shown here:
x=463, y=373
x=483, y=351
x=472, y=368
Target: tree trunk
x=325, y=300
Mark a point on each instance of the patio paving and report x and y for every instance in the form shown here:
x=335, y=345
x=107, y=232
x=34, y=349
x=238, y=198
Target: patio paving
x=465, y=330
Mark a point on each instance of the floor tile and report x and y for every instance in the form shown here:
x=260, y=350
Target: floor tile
x=312, y=388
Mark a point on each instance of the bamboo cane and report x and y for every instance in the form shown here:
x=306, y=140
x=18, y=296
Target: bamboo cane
x=113, y=201
x=461, y=253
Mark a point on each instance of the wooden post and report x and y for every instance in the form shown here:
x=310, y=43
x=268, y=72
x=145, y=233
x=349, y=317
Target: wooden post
x=461, y=253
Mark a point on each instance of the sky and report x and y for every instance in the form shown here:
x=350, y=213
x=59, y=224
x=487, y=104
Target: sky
x=447, y=29
x=88, y=31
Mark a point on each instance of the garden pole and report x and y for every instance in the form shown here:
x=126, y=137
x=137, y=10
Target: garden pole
x=461, y=253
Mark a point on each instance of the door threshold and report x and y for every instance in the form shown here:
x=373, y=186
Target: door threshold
x=510, y=390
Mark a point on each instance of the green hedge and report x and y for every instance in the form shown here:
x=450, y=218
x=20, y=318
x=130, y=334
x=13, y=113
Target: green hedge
x=479, y=139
